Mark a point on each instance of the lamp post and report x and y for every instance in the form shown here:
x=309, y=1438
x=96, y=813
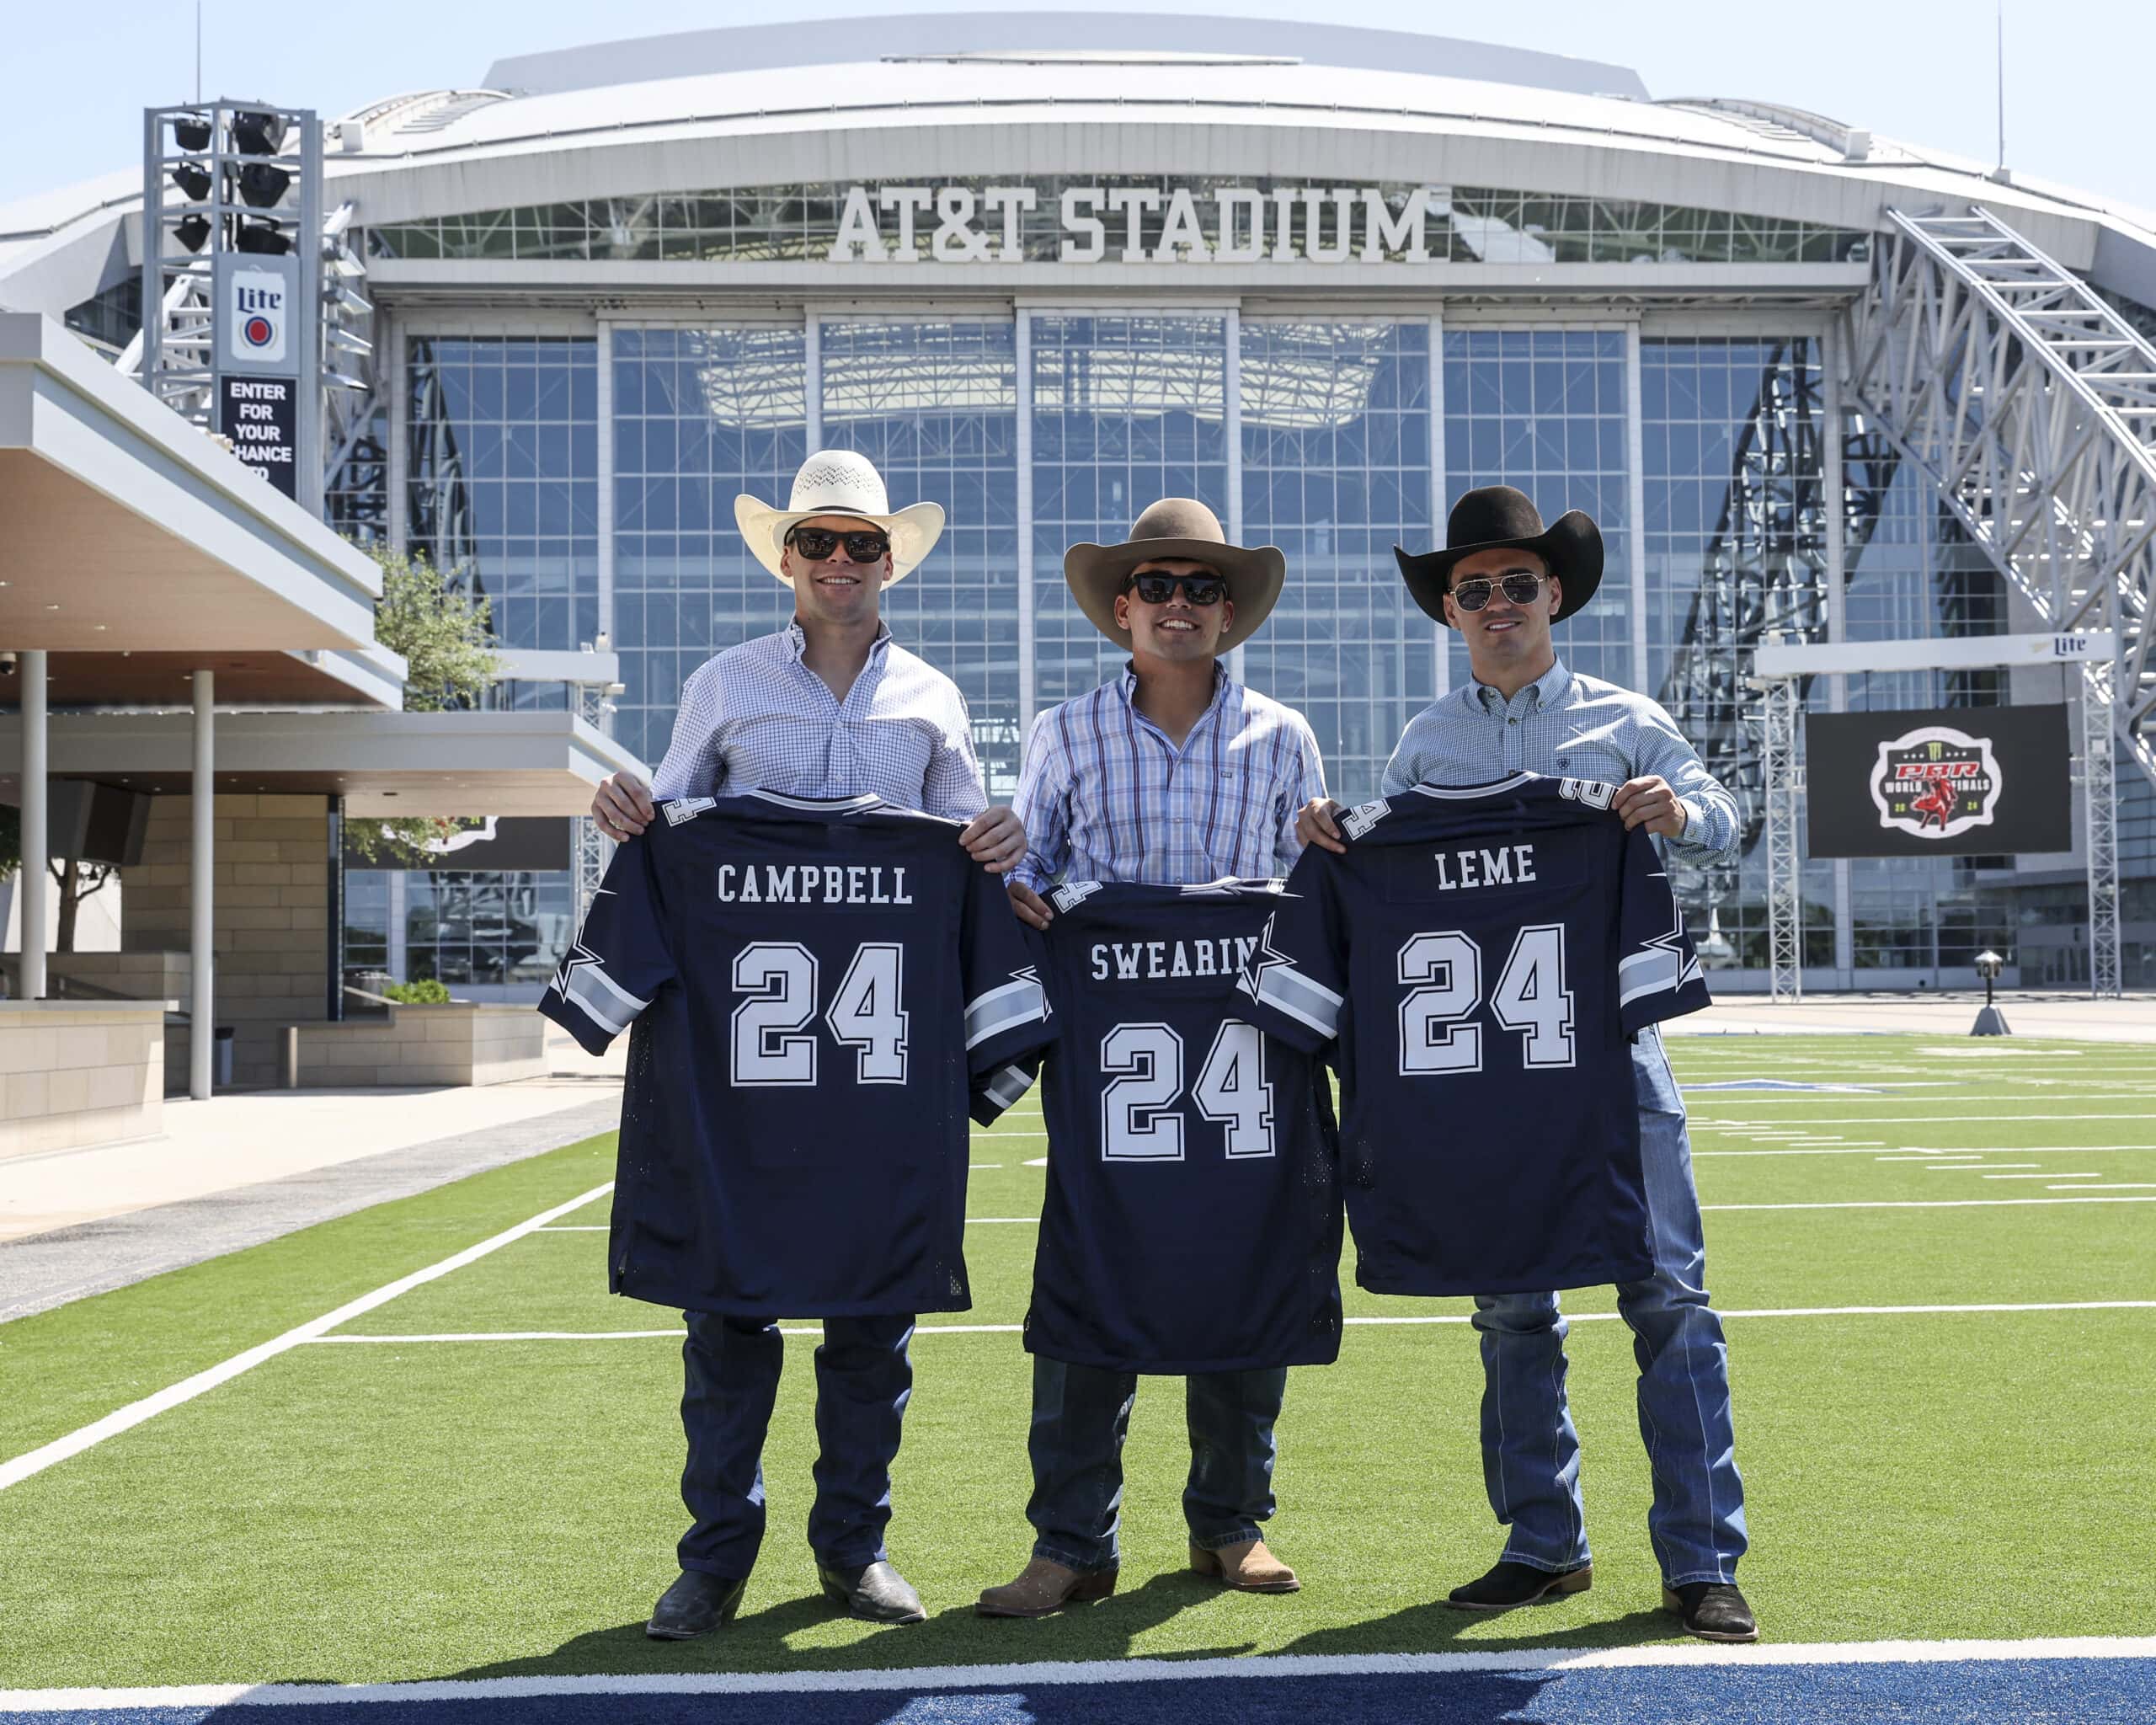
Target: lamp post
x=1990, y=1022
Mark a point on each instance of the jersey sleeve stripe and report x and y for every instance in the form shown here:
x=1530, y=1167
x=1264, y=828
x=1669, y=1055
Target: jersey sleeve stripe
x=1652, y=972
x=999, y=1009
x=1304, y=1001
x=1007, y=1085
x=603, y=1000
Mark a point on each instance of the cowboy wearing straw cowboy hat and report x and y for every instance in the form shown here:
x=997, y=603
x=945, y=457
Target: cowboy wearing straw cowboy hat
x=829, y=707
x=1170, y=774
x=1502, y=579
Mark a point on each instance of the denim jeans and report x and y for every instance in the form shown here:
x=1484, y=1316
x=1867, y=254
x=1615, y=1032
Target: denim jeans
x=1530, y=1454
x=864, y=1377
x=1082, y=1414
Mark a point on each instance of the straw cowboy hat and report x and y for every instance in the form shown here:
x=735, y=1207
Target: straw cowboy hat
x=837, y=482
x=1176, y=526
x=1498, y=518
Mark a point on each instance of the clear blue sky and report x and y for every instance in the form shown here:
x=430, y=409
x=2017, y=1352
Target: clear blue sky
x=76, y=77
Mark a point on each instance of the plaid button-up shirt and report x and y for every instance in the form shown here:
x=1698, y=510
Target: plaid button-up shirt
x=1568, y=726
x=1106, y=796
x=756, y=718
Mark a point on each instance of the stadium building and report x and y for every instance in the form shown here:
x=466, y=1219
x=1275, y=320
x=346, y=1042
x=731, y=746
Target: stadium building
x=1044, y=268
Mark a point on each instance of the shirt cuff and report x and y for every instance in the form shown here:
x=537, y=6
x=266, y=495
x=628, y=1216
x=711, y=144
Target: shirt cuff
x=1693, y=819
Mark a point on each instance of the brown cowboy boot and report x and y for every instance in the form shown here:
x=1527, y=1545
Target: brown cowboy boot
x=1247, y=1567
x=1043, y=1586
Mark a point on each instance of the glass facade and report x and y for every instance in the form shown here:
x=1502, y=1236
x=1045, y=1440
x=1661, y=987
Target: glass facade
x=1125, y=410
x=1336, y=449
x=502, y=478
x=1032, y=222
x=482, y=933
x=1038, y=428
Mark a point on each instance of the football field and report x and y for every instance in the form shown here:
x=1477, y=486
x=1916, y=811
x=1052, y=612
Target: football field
x=423, y=1442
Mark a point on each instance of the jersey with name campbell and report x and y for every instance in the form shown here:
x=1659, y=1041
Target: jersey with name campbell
x=1193, y=1215
x=1483, y=956
x=815, y=986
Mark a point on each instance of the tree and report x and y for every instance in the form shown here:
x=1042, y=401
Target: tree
x=446, y=635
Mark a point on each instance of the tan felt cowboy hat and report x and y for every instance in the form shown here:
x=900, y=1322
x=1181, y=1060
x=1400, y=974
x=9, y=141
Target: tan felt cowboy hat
x=1177, y=526
x=838, y=482
x=1499, y=518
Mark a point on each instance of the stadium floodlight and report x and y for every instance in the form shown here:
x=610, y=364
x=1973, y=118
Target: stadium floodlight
x=193, y=178
x=191, y=231
x=265, y=239
x=257, y=133
x=1990, y=1022
x=192, y=132
x=261, y=186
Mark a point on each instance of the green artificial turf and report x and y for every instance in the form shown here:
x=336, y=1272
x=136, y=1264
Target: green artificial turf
x=404, y=1510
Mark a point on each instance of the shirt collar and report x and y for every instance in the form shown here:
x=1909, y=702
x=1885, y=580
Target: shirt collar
x=1545, y=692
x=796, y=642
x=1127, y=684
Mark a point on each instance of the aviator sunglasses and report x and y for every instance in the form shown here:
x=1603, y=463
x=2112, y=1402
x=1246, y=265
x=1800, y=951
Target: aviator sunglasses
x=1200, y=589
x=1520, y=587
x=817, y=543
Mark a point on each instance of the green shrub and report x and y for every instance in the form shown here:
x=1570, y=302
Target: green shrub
x=426, y=993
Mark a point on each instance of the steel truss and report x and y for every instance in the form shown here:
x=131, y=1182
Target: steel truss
x=2029, y=402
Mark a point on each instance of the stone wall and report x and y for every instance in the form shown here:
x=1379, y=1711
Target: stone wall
x=73, y=1074
x=270, y=876
x=459, y=1044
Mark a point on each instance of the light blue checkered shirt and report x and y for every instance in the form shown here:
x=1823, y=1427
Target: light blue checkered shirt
x=756, y=717
x=1106, y=796
x=1567, y=726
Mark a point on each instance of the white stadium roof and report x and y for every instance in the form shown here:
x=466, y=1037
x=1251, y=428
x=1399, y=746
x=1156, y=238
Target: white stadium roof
x=949, y=94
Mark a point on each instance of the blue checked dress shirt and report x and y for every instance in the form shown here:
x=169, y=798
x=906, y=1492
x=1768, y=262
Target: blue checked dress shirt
x=756, y=718
x=1106, y=796
x=1568, y=726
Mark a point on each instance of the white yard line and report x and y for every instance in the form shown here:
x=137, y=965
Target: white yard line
x=1943, y=1156
x=979, y=1221
x=1979, y=1167
x=573, y=1228
x=1415, y=1321
x=23, y=1467
x=1930, y=1204
x=2116, y=1186
x=2045, y=1118
x=2049, y=1174
x=1066, y=1672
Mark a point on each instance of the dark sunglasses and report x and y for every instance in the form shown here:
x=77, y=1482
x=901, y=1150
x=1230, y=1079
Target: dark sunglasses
x=1159, y=589
x=817, y=543
x=1520, y=587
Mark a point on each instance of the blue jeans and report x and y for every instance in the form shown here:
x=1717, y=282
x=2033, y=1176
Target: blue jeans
x=1530, y=1454
x=864, y=1377
x=1082, y=1414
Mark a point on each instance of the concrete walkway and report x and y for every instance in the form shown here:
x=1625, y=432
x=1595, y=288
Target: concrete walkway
x=2072, y=1016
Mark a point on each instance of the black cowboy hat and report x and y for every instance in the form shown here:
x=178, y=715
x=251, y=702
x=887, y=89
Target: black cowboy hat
x=1498, y=518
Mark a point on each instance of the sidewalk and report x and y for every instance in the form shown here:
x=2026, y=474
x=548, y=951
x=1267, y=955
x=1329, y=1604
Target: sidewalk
x=2073, y=1016
x=237, y=1170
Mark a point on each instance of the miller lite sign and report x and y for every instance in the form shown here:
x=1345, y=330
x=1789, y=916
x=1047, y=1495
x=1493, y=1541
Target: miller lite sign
x=1935, y=782
x=1962, y=781
x=258, y=301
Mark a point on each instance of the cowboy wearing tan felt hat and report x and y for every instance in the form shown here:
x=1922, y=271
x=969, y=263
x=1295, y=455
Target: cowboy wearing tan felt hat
x=1171, y=773
x=831, y=706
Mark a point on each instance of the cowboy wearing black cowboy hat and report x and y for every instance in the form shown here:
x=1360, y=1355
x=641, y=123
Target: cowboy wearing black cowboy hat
x=1502, y=580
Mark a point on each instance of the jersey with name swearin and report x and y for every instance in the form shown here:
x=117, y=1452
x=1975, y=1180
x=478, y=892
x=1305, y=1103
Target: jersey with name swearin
x=815, y=987
x=1193, y=1217
x=1482, y=957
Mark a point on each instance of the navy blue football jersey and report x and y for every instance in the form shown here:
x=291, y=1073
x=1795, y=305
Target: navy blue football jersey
x=815, y=987
x=1479, y=959
x=1193, y=1215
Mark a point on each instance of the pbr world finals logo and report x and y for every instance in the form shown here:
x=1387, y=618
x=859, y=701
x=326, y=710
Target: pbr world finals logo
x=1936, y=782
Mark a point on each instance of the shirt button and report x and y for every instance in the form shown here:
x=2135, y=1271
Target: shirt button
x=1512, y=721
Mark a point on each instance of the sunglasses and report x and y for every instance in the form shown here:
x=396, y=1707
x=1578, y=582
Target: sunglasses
x=1520, y=587
x=1158, y=589
x=817, y=543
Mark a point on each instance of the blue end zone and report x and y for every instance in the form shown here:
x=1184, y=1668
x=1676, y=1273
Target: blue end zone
x=2073, y=1691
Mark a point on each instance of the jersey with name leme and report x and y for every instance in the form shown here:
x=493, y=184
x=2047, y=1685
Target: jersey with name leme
x=814, y=987
x=1193, y=1215
x=1482, y=957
